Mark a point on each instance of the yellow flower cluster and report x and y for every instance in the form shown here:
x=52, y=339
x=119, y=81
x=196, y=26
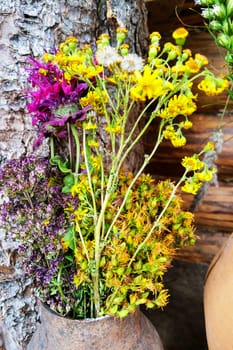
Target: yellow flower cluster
x=213, y=86
x=200, y=172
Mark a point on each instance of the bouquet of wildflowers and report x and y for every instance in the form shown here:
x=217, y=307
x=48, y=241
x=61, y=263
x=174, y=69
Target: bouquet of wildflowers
x=97, y=239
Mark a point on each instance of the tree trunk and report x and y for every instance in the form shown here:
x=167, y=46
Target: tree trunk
x=27, y=27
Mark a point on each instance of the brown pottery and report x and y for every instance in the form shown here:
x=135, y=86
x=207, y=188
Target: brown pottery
x=218, y=299
x=134, y=332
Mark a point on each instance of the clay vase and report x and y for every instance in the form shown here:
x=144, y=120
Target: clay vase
x=134, y=332
x=218, y=299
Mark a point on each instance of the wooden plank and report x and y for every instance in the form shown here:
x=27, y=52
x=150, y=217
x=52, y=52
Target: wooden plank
x=167, y=160
x=206, y=247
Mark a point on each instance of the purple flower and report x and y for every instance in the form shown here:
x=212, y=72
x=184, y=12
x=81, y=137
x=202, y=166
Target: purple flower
x=54, y=101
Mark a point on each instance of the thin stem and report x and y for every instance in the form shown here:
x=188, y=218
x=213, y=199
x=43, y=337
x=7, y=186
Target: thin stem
x=70, y=147
x=77, y=144
x=82, y=240
x=89, y=177
x=52, y=152
x=146, y=161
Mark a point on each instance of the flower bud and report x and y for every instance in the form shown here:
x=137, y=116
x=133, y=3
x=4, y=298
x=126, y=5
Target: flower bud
x=207, y=13
x=215, y=25
x=224, y=40
x=121, y=34
x=229, y=8
x=180, y=35
x=155, y=38
x=153, y=51
x=219, y=11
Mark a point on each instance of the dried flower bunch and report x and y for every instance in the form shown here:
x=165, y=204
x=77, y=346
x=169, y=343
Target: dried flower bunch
x=95, y=238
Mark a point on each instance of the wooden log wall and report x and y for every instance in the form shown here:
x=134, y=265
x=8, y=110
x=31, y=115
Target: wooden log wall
x=214, y=212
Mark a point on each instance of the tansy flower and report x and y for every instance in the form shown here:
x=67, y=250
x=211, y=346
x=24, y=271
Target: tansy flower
x=192, y=163
x=93, y=143
x=179, y=105
x=103, y=40
x=121, y=34
x=178, y=141
x=191, y=66
x=191, y=187
x=148, y=85
x=70, y=39
x=187, y=124
x=124, y=49
x=201, y=60
x=180, y=35
x=153, y=51
x=169, y=132
x=89, y=125
x=213, y=86
x=155, y=37
x=206, y=174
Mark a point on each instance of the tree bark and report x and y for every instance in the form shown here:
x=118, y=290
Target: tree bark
x=27, y=27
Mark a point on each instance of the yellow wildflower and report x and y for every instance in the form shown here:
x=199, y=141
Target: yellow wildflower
x=201, y=59
x=213, y=86
x=180, y=105
x=96, y=162
x=155, y=37
x=180, y=35
x=70, y=39
x=192, y=163
x=187, y=124
x=178, y=141
x=47, y=57
x=121, y=34
x=114, y=128
x=64, y=244
x=93, y=143
x=209, y=147
x=191, y=66
x=191, y=187
x=124, y=49
x=169, y=132
x=206, y=174
x=148, y=85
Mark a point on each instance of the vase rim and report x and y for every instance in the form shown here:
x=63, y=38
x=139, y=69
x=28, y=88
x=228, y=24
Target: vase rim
x=89, y=319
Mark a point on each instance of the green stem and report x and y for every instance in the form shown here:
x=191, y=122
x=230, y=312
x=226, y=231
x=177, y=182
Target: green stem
x=87, y=167
x=59, y=284
x=77, y=144
x=52, y=152
x=146, y=161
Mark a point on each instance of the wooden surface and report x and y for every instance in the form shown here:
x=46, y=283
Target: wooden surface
x=214, y=212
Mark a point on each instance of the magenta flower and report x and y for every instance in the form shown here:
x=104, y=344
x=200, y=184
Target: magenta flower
x=54, y=101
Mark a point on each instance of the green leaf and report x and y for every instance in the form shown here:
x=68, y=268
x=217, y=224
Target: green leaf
x=123, y=313
x=69, y=238
x=230, y=93
x=68, y=183
x=63, y=166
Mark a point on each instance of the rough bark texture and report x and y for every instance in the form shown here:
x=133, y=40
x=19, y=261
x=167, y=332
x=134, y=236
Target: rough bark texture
x=27, y=27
